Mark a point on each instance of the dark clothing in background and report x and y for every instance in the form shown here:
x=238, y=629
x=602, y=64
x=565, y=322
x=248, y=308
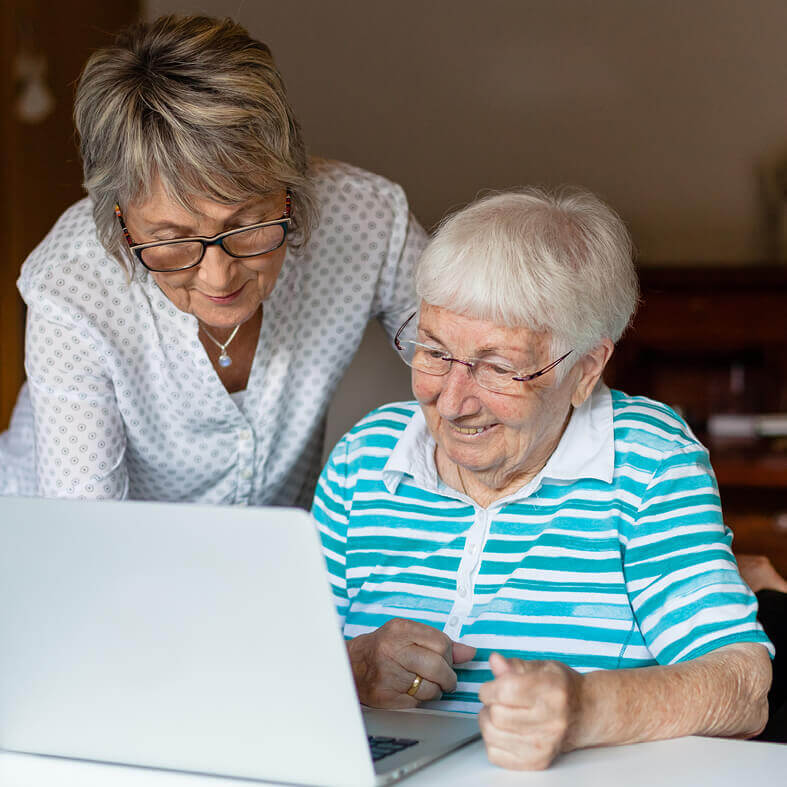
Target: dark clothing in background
x=773, y=616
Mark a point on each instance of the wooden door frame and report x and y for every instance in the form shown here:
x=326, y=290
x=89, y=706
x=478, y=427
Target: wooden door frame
x=39, y=164
x=11, y=306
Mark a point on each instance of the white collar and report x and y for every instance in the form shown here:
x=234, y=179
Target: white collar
x=586, y=450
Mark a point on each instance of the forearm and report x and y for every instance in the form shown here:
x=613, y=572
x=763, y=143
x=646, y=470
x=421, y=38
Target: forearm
x=723, y=693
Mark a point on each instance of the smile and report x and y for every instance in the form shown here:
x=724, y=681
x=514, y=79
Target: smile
x=469, y=430
x=224, y=298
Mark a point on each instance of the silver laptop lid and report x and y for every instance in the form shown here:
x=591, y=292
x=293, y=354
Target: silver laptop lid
x=178, y=636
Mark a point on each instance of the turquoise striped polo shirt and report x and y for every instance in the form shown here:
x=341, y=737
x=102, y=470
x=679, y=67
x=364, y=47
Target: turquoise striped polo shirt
x=614, y=556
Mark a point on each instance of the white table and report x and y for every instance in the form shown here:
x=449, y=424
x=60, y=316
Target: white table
x=693, y=762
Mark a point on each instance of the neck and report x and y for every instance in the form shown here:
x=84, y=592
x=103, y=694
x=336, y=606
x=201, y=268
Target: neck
x=222, y=333
x=485, y=487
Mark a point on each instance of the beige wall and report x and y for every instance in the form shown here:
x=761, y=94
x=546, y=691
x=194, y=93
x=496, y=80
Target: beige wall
x=664, y=108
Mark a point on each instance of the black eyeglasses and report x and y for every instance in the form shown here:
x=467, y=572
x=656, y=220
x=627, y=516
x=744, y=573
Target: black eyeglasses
x=495, y=377
x=180, y=254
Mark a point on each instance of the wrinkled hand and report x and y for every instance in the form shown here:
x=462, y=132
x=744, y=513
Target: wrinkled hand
x=759, y=574
x=385, y=662
x=529, y=711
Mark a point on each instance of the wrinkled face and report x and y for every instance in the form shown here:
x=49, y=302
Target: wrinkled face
x=221, y=291
x=498, y=437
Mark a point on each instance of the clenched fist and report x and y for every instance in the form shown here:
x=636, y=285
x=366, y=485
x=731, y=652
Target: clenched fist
x=530, y=709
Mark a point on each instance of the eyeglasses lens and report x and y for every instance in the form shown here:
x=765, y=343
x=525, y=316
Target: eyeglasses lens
x=252, y=242
x=432, y=360
x=172, y=255
x=425, y=359
x=181, y=254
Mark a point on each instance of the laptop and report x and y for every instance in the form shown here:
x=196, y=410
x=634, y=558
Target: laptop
x=189, y=637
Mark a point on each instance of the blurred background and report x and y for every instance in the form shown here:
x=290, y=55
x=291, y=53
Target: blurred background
x=674, y=112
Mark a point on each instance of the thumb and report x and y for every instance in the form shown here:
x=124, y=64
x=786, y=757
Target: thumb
x=461, y=652
x=499, y=664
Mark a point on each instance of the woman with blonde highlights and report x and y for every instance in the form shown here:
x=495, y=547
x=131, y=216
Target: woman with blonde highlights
x=188, y=321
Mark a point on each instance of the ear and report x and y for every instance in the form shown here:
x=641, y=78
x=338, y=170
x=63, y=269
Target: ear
x=590, y=367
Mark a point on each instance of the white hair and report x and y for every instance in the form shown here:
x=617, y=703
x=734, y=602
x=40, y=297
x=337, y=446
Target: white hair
x=559, y=263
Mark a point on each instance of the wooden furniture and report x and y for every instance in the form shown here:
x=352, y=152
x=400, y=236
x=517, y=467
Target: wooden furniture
x=712, y=340
x=40, y=173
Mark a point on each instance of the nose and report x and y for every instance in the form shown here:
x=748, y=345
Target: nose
x=215, y=270
x=459, y=394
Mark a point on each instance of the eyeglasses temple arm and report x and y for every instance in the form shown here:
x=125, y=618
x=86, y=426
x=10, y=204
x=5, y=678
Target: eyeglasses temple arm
x=401, y=329
x=126, y=234
x=546, y=369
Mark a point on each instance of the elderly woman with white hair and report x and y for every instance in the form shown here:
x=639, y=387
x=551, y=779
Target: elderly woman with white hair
x=522, y=541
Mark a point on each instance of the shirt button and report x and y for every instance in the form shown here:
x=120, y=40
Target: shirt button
x=462, y=591
x=245, y=434
x=453, y=621
x=246, y=473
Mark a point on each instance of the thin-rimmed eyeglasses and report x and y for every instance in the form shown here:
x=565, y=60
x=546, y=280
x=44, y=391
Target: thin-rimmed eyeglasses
x=495, y=377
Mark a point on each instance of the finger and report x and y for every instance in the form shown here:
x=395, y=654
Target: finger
x=514, y=689
x=532, y=748
x=412, y=632
x=519, y=726
x=503, y=758
x=506, y=718
x=501, y=665
x=462, y=653
x=427, y=690
x=429, y=665
x=518, y=760
x=498, y=742
x=520, y=666
x=498, y=664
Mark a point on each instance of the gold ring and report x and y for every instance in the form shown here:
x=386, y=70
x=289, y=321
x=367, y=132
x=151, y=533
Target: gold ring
x=414, y=685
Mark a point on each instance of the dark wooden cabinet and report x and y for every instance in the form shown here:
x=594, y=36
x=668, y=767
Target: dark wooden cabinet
x=711, y=340
x=43, y=46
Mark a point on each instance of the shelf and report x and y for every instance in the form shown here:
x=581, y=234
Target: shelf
x=766, y=470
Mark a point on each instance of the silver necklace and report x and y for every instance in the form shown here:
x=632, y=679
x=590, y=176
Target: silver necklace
x=224, y=358
x=461, y=481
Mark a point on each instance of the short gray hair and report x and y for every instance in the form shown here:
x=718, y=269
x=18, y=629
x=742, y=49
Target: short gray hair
x=198, y=104
x=555, y=262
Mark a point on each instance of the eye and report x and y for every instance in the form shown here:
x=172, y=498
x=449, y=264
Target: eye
x=247, y=221
x=432, y=352
x=502, y=371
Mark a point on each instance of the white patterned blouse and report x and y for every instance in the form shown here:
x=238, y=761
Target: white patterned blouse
x=125, y=402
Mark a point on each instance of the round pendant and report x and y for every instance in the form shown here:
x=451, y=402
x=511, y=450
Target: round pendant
x=225, y=360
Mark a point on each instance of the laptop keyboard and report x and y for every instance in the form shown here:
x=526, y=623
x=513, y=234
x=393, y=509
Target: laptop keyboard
x=382, y=746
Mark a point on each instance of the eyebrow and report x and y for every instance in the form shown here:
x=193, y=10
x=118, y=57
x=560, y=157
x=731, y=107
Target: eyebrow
x=481, y=351
x=190, y=232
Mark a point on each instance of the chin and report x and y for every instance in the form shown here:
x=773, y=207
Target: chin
x=226, y=316
x=467, y=458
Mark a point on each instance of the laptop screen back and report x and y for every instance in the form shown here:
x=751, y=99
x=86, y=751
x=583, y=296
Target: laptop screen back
x=179, y=636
